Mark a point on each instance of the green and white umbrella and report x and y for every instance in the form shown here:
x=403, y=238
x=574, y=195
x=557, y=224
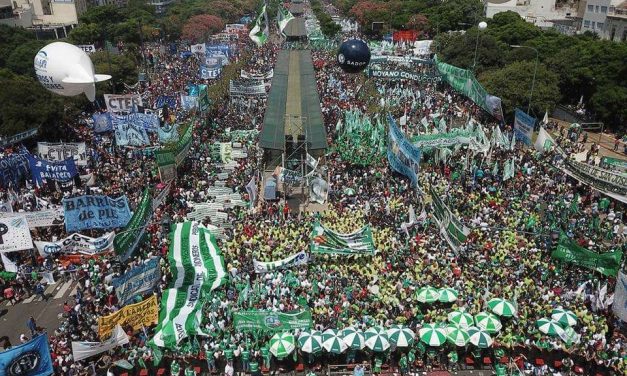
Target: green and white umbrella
x=282, y=344
x=488, y=322
x=349, y=191
x=448, y=295
x=502, y=307
x=401, y=335
x=310, y=341
x=332, y=341
x=353, y=338
x=550, y=327
x=432, y=334
x=427, y=294
x=461, y=318
x=564, y=317
x=377, y=339
x=457, y=335
x=479, y=337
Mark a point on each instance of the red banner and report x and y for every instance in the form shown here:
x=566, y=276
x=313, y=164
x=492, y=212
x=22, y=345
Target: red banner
x=405, y=36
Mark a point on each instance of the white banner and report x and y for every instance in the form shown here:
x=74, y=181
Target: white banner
x=236, y=88
x=257, y=76
x=61, y=152
x=6, y=207
x=9, y=265
x=41, y=218
x=77, y=243
x=198, y=48
x=89, y=48
x=299, y=258
x=122, y=103
x=83, y=350
x=14, y=234
x=620, y=297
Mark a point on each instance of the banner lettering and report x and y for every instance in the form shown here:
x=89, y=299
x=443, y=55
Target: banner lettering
x=89, y=212
x=76, y=243
x=135, y=315
x=60, y=152
x=122, y=103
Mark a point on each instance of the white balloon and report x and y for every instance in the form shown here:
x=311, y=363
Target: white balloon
x=483, y=25
x=67, y=70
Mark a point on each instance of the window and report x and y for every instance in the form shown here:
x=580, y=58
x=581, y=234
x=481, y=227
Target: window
x=593, y=24
x=600, y=25
x=596, y=9
x=590, y=8
x=586, y=23
x=603, y=9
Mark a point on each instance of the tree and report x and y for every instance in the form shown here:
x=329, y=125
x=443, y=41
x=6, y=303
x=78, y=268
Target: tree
x=123, y=69
x=366, y=12
x=20, y=60
x=418, y=22
x=458, y=49
x=513, y=83
x=453, y=14
x=198, y=28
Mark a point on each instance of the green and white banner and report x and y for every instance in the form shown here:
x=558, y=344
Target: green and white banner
x=451, y=229
x=299, y=258
x=259, y=33
x=284, y=16
x=568, y=250
x=325, y=240
x=268, y=321
x=403, y=75
x=612, y=164
x=606, y=181
x=127, y=241
x=442, y=140
x=197, y=267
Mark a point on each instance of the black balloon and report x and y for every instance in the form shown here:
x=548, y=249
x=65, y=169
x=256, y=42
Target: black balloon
x=353, y=56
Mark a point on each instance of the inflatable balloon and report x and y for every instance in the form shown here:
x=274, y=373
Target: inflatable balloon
x=67, y=70
x=353, y=56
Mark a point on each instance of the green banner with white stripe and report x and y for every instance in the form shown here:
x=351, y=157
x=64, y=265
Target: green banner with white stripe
x=451, y=229
x=197, y=267
x=325, y=240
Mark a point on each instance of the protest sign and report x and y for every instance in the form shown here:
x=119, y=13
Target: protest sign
x=568, y=250
x=403, y=75
x=325, y=240
x=268, y=321
x=40, y=218
x=523, y=126
x=300, y=258
x=91, y=211
x=451, y=228
x=198, y=48
x=150, y=122
x=137, y=280
x=30, y=358
x=241, y=88
x=88, y=48
x=15, y=234
x=403, y=157
x=257, y=76
x=77, y=244
x=135, y=315
x=164, y=100
x=83, y=350
x=62, y=151
x=209, y=73
x=14, y=167
x=189, y=102
x=126, y=243
x=122, y=103
x=59, y=171
x=127, y=134
x=102, y=122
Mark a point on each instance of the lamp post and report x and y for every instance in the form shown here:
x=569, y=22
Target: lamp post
x=482, y=26
x=535, y=70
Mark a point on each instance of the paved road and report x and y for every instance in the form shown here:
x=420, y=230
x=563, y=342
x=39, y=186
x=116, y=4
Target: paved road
x=13, y=318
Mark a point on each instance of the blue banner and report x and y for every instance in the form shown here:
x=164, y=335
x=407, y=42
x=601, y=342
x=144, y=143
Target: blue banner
x=150, y=122
x=223, y=48
x=131, y=135
x=14, y=167
x=403, y=157
x=412, y=152
x=193, y=90
x=189, y=102
x=102, y=122
x=169, y=133
x=59, y=171
x=29, y=359
x=137, y=280
x=88, y=212
x=523, y=126
x=207, y=73
x=162, y=100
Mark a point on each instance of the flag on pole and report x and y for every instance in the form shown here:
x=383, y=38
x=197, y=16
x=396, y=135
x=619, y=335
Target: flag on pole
x=259, y=33
x=545, y=119
x=284, y=16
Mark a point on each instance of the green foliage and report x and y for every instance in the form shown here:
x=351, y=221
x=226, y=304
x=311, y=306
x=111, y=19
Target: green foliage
x=453, y=14
x=328, y=27
x=20, y=60
x=123, y=69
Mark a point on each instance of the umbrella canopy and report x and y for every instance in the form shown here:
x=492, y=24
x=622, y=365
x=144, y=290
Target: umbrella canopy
x=401, y=335
x=432, y=334
x=349, y=191
x=502, y=307
x=353, y=338
x=488, y=322
x=448, y=295
x=457, y=335
x=332, y=341
x=310, y=341
x=461, y=318
x=377, y=339
x=564, y=317
x=282, y=344
x=479, y=337
x=550, y=327
x=427, y=294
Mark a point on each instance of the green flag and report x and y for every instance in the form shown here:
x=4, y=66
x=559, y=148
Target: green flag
x=325, y=240
x=568, y=250
x=269, y=321
x=284, y=16
x=259, y=33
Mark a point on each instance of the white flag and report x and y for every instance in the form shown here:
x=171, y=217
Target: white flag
x=9, y=265
x=259, y=33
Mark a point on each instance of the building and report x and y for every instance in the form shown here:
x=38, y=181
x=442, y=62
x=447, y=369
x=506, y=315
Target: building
x=616, y=23
x=595, y=15
x=57, y=16
x=542, y=13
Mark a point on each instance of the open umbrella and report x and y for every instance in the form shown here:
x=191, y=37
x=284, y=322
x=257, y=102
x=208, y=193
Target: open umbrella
x=448, y=295
x=401, y=335
x=479, y=337
x=353, y=338
x=310, y=342
x=427, y=294
x=282, y=344
x=457, y=335
x=332, y=341
x=488, y=322
x=564, y=317
x=502, y=307
x=461, y=318
x=377, y=339
x=432, y=334
x=550, y=327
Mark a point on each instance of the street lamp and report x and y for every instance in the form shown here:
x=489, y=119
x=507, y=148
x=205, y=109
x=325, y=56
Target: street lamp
x=535, y=70
x=482, y=26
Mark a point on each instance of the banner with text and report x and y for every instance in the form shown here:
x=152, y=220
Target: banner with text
x=126, y=243
x=149, y=122
x=30, y=358
x=240, y=88
x=62, y=151
x=75, y=244
x=127, y=134
x=568, y=250
x=300, y=258
x=269, y=322
x=89, y=212
x=402, y=75
x=326, y=240
x=59, y=171
x=83, y=350
x=41, y=218
x=137, y=315
x=523, y=126
x=137, y=280
x=14, y=234
x=122, y=103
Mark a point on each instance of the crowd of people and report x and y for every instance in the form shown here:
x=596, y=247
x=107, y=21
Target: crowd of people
x=514, y=225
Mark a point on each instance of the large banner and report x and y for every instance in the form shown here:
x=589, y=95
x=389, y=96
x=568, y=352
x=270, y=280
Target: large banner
x=443, y=140
x=150, y=122
x=83, y=350
x=127, y=241
x=137, y=280
x=14, y=167
x=399, y=59
x=77, y=243
x=300, y=258
x=122, y=103
x=609, y=182
x=257, y=76
x=88, y=212
x=136, y=315
x=568, y=250
x=29, y=359
x=209, y=73
x=168, y=133
x=403, y=157
x=14, y=234
x=41, y=218
x=523, y=126
x=61, y=152
x=325, y=240
x=451, y=228
x=268, y=321
x=396, y=75
x=189, y=102
x=240, y=88
x=164, y=100
x=620, y=297
x=102, y=122
x=128, y=134
x=59, y=171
